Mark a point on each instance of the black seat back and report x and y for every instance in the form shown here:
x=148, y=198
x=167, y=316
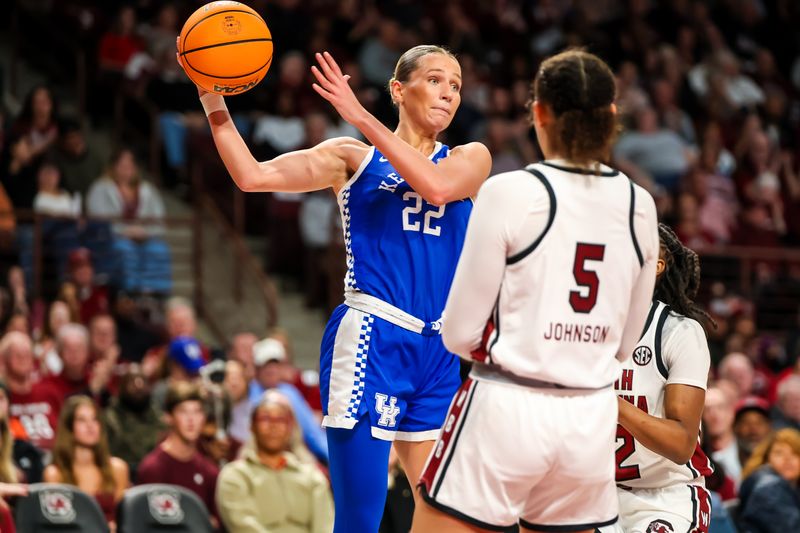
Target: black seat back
x=160, y=508
x=51, y=507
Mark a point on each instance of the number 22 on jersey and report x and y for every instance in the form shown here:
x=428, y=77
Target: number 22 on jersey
x=412, y=221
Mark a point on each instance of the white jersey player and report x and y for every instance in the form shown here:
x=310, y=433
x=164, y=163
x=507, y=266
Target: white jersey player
x=560, y=260
x=661, y=468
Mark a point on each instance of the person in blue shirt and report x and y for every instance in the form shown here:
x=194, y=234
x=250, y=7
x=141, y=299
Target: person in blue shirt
x=405, y=200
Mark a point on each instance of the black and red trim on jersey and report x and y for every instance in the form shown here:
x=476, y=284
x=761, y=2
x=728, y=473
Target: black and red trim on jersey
x=527, y=251
x=699, y=464
x=630, y=224
x=662, y=368
x=701, y=509
x=496, y=324
x=567, y=527
x=449, y=438
x=482, y=353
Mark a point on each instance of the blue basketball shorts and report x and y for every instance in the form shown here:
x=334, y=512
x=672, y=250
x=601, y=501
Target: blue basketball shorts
x=403, y=380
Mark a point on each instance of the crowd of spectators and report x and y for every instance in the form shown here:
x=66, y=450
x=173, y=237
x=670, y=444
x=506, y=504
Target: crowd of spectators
x=98, y=393
x=178, y=413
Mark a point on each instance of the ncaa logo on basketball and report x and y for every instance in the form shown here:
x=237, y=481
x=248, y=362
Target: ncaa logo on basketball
x=234, y=89
x=57, y=506
x=165, y=506
x=231, y=25
x=642, y=355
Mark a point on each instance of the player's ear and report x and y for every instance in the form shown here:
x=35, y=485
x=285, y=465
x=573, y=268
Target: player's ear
x=541, y=113
x=661, y=265
x=396, y=91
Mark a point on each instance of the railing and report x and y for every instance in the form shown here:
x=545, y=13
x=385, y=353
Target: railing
x=37, y=221
x=218, y=295
x=244, y=264
x=232, y=254
x=768, y=277
x=746, y=259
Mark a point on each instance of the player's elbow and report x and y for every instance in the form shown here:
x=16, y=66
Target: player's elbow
x=682, y=452
x=436, y=198
x=449, y=340
x=454, y=340
x=246, y=185
x=439, y=193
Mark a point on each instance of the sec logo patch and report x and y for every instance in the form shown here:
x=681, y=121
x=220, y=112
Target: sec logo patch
x=642, y=355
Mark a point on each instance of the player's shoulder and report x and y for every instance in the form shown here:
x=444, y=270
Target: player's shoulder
x=473, y=150
x=349, y=149
x=348, y=143
x=515, y=184
x=513, y=178
x=643, y=200
x=678, y=324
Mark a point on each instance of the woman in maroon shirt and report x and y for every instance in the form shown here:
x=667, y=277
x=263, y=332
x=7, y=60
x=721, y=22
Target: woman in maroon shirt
x=81, y=456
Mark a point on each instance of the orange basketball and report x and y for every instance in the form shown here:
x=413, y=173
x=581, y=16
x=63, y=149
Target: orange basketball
x=226, y=47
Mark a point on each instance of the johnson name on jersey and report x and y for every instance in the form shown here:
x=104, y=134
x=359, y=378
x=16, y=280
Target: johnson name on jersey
x=567, y=286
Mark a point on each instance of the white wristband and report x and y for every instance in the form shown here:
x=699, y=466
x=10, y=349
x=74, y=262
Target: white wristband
x=213, y=102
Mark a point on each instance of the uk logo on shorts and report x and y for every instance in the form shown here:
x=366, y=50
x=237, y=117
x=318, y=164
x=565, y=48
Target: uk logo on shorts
x=388, y=411
x=660, y=526
x=642, y=355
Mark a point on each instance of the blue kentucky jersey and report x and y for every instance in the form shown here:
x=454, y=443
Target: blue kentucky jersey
x=400, y=248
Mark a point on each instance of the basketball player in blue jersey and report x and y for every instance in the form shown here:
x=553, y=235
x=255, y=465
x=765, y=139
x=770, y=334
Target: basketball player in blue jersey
x=405, y=201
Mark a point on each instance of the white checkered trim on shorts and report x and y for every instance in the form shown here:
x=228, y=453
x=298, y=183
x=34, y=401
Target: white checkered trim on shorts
x=361, y=365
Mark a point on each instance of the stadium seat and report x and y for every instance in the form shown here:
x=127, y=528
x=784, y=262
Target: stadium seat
x=157, y=508
x=51, y=507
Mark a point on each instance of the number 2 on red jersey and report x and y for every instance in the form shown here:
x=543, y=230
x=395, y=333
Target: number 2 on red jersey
x=624, y=451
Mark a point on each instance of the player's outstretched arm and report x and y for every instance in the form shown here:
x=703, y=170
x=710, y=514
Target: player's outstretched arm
x=456, y=177
x=328, y=164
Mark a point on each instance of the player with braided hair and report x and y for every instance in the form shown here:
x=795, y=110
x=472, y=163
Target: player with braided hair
x=660, y=467
x=681, y=280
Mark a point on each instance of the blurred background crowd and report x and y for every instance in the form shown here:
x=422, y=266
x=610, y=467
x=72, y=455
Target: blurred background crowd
x=107, y=381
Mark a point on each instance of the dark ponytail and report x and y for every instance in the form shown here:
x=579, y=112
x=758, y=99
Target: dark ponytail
x=579, y=88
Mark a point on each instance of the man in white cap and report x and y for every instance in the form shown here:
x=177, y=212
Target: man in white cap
x=269, y=356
